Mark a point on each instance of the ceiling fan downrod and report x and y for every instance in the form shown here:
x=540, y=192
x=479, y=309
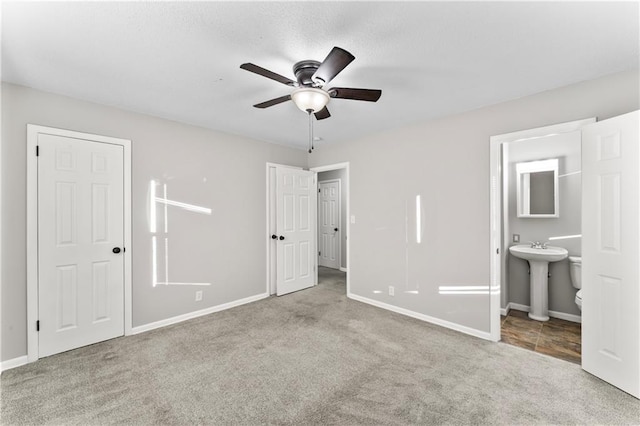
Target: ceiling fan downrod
x=311, y=148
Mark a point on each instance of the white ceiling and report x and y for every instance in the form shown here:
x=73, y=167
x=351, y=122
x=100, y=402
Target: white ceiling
x=181, y=60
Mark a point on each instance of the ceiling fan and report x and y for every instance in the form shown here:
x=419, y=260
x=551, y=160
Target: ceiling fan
x=310, y=95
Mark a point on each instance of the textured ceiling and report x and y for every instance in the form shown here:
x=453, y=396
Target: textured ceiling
x=181, y=60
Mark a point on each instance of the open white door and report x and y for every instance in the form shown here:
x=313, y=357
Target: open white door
x=329, y=224
x=611, y=251
x=296, y=231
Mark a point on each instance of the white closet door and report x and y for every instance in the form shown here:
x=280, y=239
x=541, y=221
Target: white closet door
x=80, y=242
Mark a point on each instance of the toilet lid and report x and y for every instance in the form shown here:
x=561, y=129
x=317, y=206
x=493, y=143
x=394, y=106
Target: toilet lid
x=579, y=294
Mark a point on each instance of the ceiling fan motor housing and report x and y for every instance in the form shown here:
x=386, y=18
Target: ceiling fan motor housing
x=304, y=70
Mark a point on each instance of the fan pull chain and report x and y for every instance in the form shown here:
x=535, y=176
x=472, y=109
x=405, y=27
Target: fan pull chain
x=311, y=148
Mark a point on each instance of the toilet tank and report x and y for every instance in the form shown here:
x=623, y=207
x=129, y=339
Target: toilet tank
x=575, y=271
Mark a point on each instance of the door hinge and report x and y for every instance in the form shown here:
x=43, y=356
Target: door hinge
x=38, y=325
x=497, y=251
x=318, y=189
x=37, y=150
x=319, y=253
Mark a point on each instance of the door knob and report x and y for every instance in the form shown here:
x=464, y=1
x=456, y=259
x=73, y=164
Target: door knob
x=274, y=236
x=116, y=250
x=335, y=229
x=281, y=238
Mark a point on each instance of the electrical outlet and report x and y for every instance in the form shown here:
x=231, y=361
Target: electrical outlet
x=516, y=238
x=198, y=295
x=392, y=290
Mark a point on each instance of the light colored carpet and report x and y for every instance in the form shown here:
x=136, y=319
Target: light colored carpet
x=312, y=357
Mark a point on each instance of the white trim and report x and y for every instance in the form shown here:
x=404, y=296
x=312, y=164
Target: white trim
x=540, y=132
x=1, y=211
x=330, y=167
x=128, y=239
x=447, y=324
x=13, y=363
x=347, y=187
x=518, y=307
x=339, y=241
x=32, y=226
x=496, y=247
x=497, y=226
x=32, y=243
x=344, y=269
x=196, y=314
x=314, y=200
x=270, y=208
x=553, y=314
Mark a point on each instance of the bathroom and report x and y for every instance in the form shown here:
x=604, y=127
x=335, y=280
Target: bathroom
x=553, y=220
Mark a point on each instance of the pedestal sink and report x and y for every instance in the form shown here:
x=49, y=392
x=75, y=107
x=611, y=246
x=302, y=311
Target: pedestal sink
x=539, y=259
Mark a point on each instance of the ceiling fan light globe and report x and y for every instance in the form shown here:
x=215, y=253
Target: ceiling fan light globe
x=309, y=98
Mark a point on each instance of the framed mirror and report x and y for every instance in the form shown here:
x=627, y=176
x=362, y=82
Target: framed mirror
x=537, y=189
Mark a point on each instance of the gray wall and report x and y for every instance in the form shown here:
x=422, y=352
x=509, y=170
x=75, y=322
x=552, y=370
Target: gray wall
x=342, y=175
x=220, y=171
x=446, y=162
x=567, y=149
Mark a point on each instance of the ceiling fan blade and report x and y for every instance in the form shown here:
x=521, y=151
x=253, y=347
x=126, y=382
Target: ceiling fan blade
x=322, y=114
x=273, y=102
x=369, y=95
x=266, y=73
x=335, y=62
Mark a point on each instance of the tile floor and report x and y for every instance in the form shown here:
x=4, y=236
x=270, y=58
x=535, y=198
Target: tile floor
x=557, y=338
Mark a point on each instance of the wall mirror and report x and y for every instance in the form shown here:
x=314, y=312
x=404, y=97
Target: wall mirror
x=537, y=189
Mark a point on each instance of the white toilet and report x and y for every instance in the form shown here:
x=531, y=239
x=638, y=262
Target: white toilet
x=575, y=271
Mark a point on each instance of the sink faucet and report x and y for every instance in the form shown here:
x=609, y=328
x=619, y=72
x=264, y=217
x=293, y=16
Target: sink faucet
x=538, y=244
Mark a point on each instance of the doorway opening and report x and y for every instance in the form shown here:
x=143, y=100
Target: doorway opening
x=333, y=279
x=334, y=220
x=274, y=223
x=608, y=245
x=536, y=202
x=330, y=220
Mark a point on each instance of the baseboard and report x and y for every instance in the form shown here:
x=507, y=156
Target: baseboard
x=196, y=314
x=344, y=269
x=13, y=363
x=552, y=314
x=422, y=317
x=518, y=307
x=565, y=316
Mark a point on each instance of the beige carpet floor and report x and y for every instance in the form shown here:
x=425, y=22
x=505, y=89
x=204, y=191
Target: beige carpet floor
x=312, y=357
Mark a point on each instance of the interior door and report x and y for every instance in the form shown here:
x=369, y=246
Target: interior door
x=80, y=237
x=329, y=224
x=611, y=251
x=295, y=230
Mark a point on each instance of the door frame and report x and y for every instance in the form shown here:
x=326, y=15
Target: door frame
x=33, y=131
x=339, y=241
x=499, y=240
x=347, y=226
